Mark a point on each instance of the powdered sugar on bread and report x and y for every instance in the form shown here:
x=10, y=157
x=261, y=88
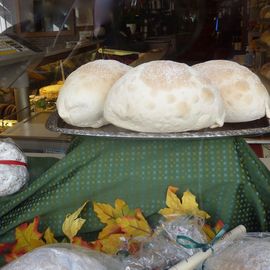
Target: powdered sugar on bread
x=81, y=99
x=245, y=97
x=164, y=96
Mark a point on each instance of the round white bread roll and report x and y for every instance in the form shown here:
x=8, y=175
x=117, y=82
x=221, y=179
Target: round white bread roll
x=245, y=97
x=81, y=99
x=164, y=96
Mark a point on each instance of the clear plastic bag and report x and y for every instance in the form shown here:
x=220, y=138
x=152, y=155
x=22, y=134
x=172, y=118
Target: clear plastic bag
x=64, y=257
x=250, y=252
x=13, y=168
x=161, y=251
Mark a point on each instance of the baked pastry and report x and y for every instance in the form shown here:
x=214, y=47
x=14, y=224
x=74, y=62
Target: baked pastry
x=81, y=98
x=245, y=97
x=51, y=92
x=164, y=96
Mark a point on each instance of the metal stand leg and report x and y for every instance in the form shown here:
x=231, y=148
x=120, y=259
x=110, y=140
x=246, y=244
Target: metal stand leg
x=22, y=103
x=21, y=97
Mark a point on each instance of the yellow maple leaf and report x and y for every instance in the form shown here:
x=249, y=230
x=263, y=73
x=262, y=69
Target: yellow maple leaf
x=112, y=244
x=104, y=212
x=108, y=215
x=172, y=201
x=122, y=223
x=188, y=206
x=49, y=237
x=134, y=226
x=27, y=237
x=108, y=230
x=73, y=224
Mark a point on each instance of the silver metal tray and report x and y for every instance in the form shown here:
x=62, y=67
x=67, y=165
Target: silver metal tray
x=254, y=128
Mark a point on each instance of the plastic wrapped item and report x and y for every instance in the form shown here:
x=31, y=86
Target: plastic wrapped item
x=250, y=252
x=13, y=168
x=162, y=251
x=219, y=243
x=64, y=257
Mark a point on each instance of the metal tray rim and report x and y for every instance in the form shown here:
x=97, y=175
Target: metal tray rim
x=115, y=132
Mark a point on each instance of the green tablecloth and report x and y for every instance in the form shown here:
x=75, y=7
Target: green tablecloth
x=229, y=181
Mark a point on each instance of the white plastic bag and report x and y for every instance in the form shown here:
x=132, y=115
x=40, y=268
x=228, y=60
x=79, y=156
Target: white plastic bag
x=250, y=252
x=63, y=257
x=162, y=251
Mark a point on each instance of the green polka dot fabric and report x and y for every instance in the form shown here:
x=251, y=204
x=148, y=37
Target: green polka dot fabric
x=229, y=181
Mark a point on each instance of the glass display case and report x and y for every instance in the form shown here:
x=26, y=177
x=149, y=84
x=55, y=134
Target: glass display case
x=133, y=102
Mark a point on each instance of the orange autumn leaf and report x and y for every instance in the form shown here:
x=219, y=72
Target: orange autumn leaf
x=96, y=245
x=134, y=247
x=122, y=223
x=6, y=247
x=176, y=207
x=108, y=215
x=108, y=230
x=28, y=237
x=13, y=255
x=112, y=244
x=212, y=232
x=135, y=226
x=80, y=242
x=219, y=226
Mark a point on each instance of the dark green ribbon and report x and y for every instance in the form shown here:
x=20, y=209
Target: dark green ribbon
x=123, y=253
x=189, y=243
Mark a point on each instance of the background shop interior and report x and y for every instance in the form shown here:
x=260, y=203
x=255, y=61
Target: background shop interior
x=63, y=35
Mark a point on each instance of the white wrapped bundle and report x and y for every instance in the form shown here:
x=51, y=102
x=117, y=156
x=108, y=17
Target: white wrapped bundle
x=13, y=169
x=63, y=257
x=251, y=252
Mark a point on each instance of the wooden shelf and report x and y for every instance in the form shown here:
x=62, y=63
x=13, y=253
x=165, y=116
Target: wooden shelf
x=55, y=55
